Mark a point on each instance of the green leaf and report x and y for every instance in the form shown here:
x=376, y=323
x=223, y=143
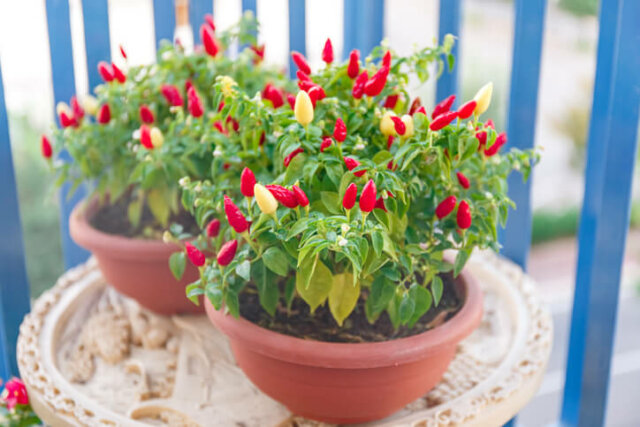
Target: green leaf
x=268, y=290
x=343, y=296
x=331, y=201
x=406, y=308
x=177, y=264
x=319, y=279
x=298, y=227
x=134, y=212
x=378, y=242
x=389, y=247
x=422, y=299
x=290, y=292
x=461, y=260
x=295, y=169
x=381, y=292
x=436, y=289
x=193, y=291
x=232, y=303
x=382, y=217
x=158, y=205
x=244, y=270
x=276, y=260
x=335, y=173
x=214, y=294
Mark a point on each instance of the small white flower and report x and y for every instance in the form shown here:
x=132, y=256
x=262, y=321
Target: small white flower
x=184, y=181
x=136, y=134
x=198, y=188
x=359, y=146
x=148, y=158
x=345, y=228
x=167, y=55
x=342, y=241
x=135, y=148
x=385, y=195
x=217, y=152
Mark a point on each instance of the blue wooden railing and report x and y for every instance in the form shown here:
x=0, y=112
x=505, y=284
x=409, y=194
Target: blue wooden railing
x=610, y=160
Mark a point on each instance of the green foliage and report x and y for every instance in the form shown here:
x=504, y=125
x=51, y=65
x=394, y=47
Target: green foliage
x=580, y=7
x=391, y=256
x=110, y=157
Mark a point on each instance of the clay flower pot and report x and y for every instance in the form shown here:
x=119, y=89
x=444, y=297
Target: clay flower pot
x=137, y=268
x=346, y=383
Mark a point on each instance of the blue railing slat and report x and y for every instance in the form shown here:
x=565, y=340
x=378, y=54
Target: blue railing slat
x=164, y=20
x=197, y=10
x=59, y=31
x=251, y=5
x=363, y=25
x=521, y=120
x=14, y=285
x=449, y=23
x=610, y=163
x=96, y=37
x=297, y=31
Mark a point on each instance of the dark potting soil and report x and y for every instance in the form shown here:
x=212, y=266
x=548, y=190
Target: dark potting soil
x=113, y=219
x=321, y=326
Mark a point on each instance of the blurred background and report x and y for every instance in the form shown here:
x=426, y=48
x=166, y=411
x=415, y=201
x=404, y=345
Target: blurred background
x=566, y=86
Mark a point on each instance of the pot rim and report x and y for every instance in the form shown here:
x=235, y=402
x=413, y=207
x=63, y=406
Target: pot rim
x=357, y=355
x=121, y=247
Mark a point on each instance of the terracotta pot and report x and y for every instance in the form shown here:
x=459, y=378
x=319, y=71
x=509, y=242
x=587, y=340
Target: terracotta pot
x=137, y=268
x=347, y=383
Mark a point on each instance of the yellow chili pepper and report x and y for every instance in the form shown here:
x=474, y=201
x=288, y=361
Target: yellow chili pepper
x=386, y=124
x=266, y=202
x=408, y=123
x=483, y=99
x=157, y=139
x=303, y=108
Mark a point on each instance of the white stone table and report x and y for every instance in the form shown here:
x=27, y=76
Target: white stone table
x=92, y=357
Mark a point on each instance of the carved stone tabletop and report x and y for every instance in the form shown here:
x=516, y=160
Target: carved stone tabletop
x=90, y=356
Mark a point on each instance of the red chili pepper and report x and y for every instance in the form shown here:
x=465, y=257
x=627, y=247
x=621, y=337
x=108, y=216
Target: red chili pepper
x=301, y=62
x=446, y=207
x=463, y=180
x=327, y=52
x=263, y=137
x=315, y=95
x=386, y=59
x=306, y=85
x=380, y=204
x=326, y=143
x=291, y=155
x=247, y=181
x=415, y=105
x=390, y=140
x=464, y=215
x=209, y=40
x=194, y=254
x=422, y=110
x=340, y=130
x=220, y=127
x=106, y=72
x=391, y=166
x=443, y=120
x=259, y=51
x=172, y=95
x=188, y=84
x=78, y=112
x=146, y=115
x=226, y=253
x=358, y=85
x=104, y=114
x=226, y=166
x=351, y=164
x=354, y=64
x=123, y=52
x=391, y=101
x=145, y=137
x=376, y=84
x=443, y=107
x=302, y=76
x=45, y=147
x=466, y=110
x=501, y=139
x=489, y=124
x=291, y=100
x=284, y=196
x=350, y=195
x=118, y=74
x=399, y=125
x=195, y=103
x=208, y=18
x=66, y=121
x=274, y=95
x=301, y=197
x=234, y=123
x=235, y=218
x=482, y=139
x=368, y=197
x=213, y=228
